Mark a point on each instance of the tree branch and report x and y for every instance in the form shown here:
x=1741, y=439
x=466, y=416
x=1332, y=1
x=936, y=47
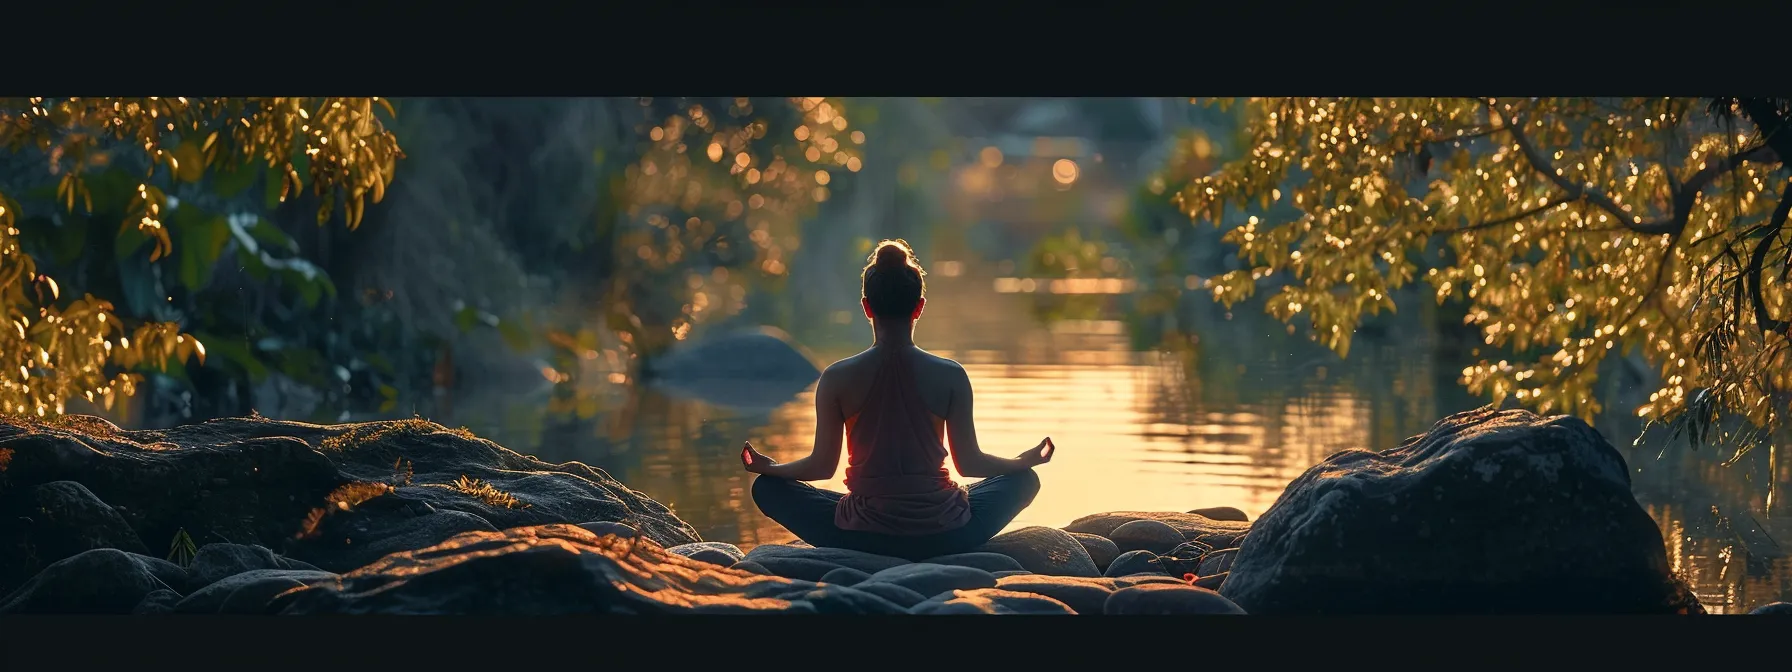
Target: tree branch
x=1757, y=263
x=1513, y=218
x=1579, y=191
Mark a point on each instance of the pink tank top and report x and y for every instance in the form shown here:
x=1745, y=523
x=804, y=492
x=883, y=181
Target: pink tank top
x=896, y=478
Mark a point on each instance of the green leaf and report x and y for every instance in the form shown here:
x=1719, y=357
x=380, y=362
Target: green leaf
x=130, y=241
x=270, y=189
x=388, y=398
x=234, y=352
x=270, y=235
x=466, y=318
x=515, y=334
x=198, y=242
x=233, y=181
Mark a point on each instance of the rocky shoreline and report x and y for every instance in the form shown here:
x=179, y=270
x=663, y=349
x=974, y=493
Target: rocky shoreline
x=1491, y=511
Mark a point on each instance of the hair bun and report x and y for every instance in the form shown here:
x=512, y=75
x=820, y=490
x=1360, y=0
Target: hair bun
x=892, y=255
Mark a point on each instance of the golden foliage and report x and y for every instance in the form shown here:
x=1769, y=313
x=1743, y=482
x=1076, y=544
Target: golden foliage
x=1574, y=228
x=484, y=492
x=309, y=526
x=344, y=498
x=700, y=184
x=5, y=459
x=373, y=432
x=81, y=349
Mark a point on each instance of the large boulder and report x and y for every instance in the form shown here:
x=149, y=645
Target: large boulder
x=1043, y=550
x=563, y=569
x=45, y=523
x=100, y=581
x=1193, y=526
x=1774, y=609
x=1489, y=512
x=334, y=496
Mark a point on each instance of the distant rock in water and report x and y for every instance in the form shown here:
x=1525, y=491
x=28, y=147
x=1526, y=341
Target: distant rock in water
x=1489, y=512
x=752, y=369
x=333, y=497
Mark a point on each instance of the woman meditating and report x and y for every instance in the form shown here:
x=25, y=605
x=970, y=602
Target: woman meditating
x=894, y=403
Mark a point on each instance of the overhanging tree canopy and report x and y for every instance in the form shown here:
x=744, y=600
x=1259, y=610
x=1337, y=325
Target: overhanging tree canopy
x=1574, y=228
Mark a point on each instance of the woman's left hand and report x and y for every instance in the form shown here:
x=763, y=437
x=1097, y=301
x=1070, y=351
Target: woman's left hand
x=752, y=460
x=1039, y=454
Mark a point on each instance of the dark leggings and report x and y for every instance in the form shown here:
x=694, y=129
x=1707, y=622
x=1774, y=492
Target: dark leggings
x=808, y=512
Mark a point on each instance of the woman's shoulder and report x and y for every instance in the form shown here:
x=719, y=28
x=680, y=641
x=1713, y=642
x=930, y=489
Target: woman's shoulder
x=934, y=361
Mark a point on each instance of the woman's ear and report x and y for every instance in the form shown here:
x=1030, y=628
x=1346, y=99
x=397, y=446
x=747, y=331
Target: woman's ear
x=866, y=304
x=919, y=304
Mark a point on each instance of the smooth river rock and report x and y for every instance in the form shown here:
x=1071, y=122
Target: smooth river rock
x=712, y=552
x=250, y=592
x=216, y=562
x=1135, y=562
x=1043, y=550
x=1154, y=599
x=100, y=581
x=988, y=562
x=1489, y=512
x=806, y=560
x=845, y=576
x=1101, y=549
x=1194, y=527
x=1146, y=535
x=52, y=521
x=989, y=602
x=1084, y=595
x=1223, y=513
x=931, y=579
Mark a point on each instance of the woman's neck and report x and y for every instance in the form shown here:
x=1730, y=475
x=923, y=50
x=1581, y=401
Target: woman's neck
x=892, y=335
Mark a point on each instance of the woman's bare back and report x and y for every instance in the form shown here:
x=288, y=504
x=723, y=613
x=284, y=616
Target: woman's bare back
x=938, y=382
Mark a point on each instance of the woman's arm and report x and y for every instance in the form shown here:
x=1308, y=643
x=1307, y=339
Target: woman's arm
x=824, y=459
x=961, y=432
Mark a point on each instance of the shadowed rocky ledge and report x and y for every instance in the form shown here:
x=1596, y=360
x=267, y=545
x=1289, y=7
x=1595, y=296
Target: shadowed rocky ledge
x=337, y=496
x=1488, y=512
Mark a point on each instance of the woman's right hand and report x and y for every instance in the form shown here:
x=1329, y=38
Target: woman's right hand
x=752, y=460
x=1039, y=454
